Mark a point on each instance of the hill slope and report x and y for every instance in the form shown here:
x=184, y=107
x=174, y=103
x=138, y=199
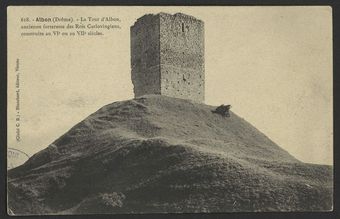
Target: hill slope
x=162, y=154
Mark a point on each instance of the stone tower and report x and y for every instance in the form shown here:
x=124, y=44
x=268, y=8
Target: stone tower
x=167, y=56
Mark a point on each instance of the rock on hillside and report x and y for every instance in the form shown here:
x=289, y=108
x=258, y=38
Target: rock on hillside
x=162, y=154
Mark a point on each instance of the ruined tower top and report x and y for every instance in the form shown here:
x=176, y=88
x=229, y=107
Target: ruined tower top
x=167, y=56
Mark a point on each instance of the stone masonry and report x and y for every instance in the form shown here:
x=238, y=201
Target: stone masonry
x=167, y=56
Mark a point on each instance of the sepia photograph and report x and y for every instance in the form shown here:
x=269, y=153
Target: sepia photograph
x=174, y=109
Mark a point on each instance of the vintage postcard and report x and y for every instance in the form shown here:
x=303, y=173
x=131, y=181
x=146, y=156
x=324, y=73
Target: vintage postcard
x=126, y=109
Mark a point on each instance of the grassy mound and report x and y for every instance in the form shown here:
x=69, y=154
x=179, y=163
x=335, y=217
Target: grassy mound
x=162, y=154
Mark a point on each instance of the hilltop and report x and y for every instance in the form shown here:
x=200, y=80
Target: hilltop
x=163, y=154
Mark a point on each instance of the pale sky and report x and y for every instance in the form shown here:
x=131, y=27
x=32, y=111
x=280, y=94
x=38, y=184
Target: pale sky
x=272, y=64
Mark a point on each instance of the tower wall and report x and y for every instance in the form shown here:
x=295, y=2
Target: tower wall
x=182, y=56
x=145, y=68
x=167, y=56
